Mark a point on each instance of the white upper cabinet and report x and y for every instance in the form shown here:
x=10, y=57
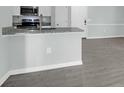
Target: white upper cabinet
x=16, y=10
x=61, y=16
x=45, y=10
x=78, y=16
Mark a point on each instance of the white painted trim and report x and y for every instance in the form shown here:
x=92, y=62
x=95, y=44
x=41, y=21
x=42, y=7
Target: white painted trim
x=4, y=78
x=105, y=24
x=40, y=68
x=105, y=37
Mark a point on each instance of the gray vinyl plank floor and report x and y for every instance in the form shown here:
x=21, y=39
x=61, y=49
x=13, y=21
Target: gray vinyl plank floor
x=103, y=67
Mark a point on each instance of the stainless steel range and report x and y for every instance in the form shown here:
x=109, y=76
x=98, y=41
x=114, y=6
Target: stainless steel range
x=26, y=21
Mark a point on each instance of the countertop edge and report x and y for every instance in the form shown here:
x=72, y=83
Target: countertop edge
x=13, y=31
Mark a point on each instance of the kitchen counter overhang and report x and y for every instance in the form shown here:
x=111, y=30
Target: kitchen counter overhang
x=14, y=31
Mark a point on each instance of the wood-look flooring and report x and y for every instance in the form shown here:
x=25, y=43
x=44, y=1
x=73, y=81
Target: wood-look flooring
x=103, y=67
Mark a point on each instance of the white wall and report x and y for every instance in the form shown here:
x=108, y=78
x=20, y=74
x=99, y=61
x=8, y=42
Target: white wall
x=5, y=16
x=5, y=20
x=105, y=21
x=4, y=64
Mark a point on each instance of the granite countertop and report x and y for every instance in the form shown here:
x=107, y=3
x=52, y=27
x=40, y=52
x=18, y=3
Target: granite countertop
x=12, y=31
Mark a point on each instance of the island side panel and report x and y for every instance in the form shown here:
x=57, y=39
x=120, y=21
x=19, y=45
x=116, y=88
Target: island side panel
x=44, y=49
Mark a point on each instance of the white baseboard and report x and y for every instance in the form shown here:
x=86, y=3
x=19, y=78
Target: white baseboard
x=105, y=37
x=40, y=68
x=4, y=78
x=46, y=67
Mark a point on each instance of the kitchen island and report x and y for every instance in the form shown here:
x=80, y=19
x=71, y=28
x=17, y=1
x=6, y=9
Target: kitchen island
x=35, y=50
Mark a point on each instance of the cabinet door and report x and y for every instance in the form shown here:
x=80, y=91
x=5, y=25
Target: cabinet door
x=78, y=17
x=45, y=10
x=61, y=16
x=16, y=10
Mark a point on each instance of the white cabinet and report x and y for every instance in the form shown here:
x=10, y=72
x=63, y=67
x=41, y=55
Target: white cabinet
x=45, y=10
x=62, y=16
x=16, y=10
x=78, y=16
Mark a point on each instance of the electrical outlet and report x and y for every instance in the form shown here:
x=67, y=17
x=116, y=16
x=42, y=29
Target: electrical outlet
x=48, y=50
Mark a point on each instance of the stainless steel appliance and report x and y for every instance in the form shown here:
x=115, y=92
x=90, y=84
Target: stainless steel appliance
x=29, y=10
x=31, y=22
